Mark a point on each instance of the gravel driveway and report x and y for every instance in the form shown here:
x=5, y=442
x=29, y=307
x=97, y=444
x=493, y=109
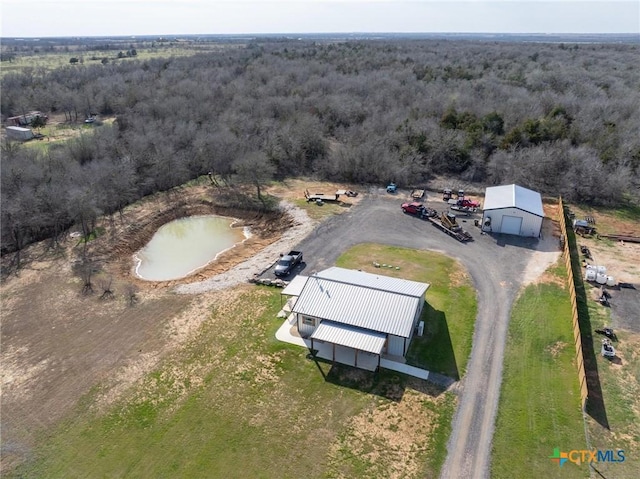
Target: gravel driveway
x=496, y=265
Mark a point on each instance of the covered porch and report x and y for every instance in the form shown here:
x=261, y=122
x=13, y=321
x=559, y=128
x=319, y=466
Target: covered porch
x=348, y=345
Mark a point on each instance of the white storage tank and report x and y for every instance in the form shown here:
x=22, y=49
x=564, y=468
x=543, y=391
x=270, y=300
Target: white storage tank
x=601, y=278
x=597, y=269
x=611, y=281
x=591, y=275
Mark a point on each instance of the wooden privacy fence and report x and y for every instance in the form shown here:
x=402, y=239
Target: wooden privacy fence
x=577, y=338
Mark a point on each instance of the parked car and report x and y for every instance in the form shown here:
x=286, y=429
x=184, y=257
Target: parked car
x=287, y=262
x=414, y=208
x=418, y=209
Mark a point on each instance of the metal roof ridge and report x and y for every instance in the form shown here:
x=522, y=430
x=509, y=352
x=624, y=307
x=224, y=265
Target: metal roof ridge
x=371, y=287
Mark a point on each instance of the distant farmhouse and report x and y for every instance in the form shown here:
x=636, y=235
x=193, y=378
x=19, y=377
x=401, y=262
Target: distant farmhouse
x=355, y=318
x=26, y=119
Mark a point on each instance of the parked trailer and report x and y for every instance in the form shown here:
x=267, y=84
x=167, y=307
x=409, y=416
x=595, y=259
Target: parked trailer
x=447, y=223
x=320, y=196
x=463, y=210
x=18, y=133
x=417, y=194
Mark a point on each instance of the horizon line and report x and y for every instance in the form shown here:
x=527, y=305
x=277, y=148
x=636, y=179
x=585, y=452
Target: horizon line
x=25, y=37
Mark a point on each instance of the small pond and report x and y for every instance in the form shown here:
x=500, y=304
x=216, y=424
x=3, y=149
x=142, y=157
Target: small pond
x=186, y=245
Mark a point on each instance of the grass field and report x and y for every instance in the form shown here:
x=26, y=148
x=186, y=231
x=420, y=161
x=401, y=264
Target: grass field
x=319, y=212
x=235, y=402
x=540, y=400
x=52, y=60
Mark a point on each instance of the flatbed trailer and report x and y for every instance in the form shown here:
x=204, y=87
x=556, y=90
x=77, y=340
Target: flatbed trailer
x=463, y=210
x=461, y=235
x=320, y=196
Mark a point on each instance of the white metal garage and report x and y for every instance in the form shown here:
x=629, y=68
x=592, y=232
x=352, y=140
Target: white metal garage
x=514, y=210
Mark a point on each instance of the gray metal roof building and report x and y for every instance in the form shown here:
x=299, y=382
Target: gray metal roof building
x=357, y=305
x=512, y=209
x=374, y=281
x=359, y=311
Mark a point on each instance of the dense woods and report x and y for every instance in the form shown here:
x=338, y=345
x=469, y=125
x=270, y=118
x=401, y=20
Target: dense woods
x=562, y=119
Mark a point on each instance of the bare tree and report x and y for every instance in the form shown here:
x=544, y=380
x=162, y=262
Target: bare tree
x=131, y=292
x=105, y=286
x=85, y=270
x=257, y=170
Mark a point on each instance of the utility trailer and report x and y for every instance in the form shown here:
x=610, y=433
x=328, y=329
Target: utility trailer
x=447, y=223
x=417, y=194
x=463, y=210
x=320, y=196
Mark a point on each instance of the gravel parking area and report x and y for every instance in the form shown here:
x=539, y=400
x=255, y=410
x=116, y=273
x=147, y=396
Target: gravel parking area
x=625, y=307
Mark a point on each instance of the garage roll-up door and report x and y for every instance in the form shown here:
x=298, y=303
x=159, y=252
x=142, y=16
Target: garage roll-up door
x=511, y=225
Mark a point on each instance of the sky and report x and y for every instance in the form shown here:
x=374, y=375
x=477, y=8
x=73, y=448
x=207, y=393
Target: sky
x=43, y=18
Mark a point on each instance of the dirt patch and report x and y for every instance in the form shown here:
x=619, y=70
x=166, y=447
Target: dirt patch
x=622, y=259
x=390, y=439
x=555, y=348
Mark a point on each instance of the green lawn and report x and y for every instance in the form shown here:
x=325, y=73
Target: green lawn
x=451, y=308
x=320, y=212
x=540, y=400
x=235, y=402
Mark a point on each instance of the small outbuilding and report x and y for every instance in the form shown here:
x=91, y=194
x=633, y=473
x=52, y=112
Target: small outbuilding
x=514, y=210
x=18, y=133
x=354, y=318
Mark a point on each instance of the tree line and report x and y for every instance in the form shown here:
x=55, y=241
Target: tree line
x=559, y=119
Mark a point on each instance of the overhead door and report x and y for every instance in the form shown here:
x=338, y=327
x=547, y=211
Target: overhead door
x=511, y=225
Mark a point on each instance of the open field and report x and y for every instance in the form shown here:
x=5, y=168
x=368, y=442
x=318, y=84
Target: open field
x=234, y=395
x=58, y=130
x=540, y=400
x=58, y=59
